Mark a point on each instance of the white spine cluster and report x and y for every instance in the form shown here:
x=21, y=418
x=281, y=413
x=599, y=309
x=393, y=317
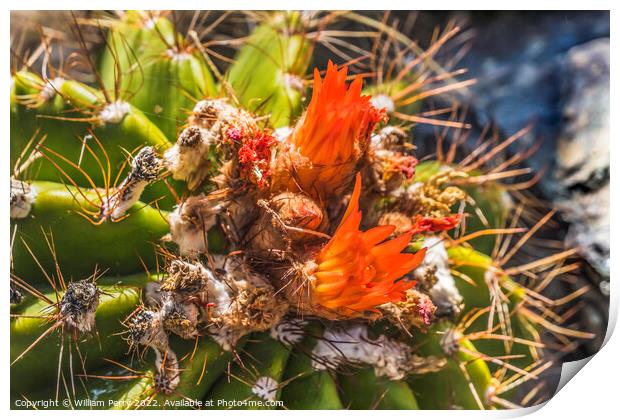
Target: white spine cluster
x=282, y=133
x=289, y=331
x=155, y=336
x=218, y=292
x=176, y=55
x=84, y=323
x=51, y=88
x=188, y=159
x=171, y=304
x=115, y=112
x=353, y=345
x=444, y=292
x=23, y=197
x=265, y=388
x=168, y=375
x=381, y=101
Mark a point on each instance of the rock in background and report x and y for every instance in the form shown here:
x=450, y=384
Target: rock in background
x=581, y=175
x=550, y=70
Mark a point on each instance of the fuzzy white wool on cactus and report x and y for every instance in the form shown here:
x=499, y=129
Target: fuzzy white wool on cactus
x=218, y=292
x=289, y=331
x=188, y=159
x=444, y=292
x=352, y=344
x=383, y=101
x=117, y=206
x=145, y=167
x=115, y=112
x=51, y=87
x=23, y=196
x=189, y=235
x=265, y=388
x=282, y=133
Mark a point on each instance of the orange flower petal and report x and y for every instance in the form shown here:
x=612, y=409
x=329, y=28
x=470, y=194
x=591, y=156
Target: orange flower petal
x=335, y=130
x=357, y=271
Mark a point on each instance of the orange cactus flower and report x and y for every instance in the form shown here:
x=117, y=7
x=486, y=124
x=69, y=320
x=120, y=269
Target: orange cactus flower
x=334, y=133
x=357, y=271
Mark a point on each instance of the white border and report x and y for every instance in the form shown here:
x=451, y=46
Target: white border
x=592, y=394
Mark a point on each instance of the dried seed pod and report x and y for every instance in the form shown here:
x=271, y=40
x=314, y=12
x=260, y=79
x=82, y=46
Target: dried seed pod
x=431, y=198
x=224, y=121
x=189, y=223
x=389, y=170
x=388, y=164
x=392, y=138
x=180, y=317
x=78, y=305
x=191, y=159
x=250, y=304
x=417, y=311
x=286, y=219
x=185, y=279
x=146, y=328
x=214, y=135
x=254, y=309
x=401, y=221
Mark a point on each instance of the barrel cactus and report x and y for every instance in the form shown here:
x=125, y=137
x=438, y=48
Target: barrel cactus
x=261, y=233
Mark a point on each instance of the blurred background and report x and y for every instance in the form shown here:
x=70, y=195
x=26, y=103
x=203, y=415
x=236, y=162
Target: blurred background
x=549, y=70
